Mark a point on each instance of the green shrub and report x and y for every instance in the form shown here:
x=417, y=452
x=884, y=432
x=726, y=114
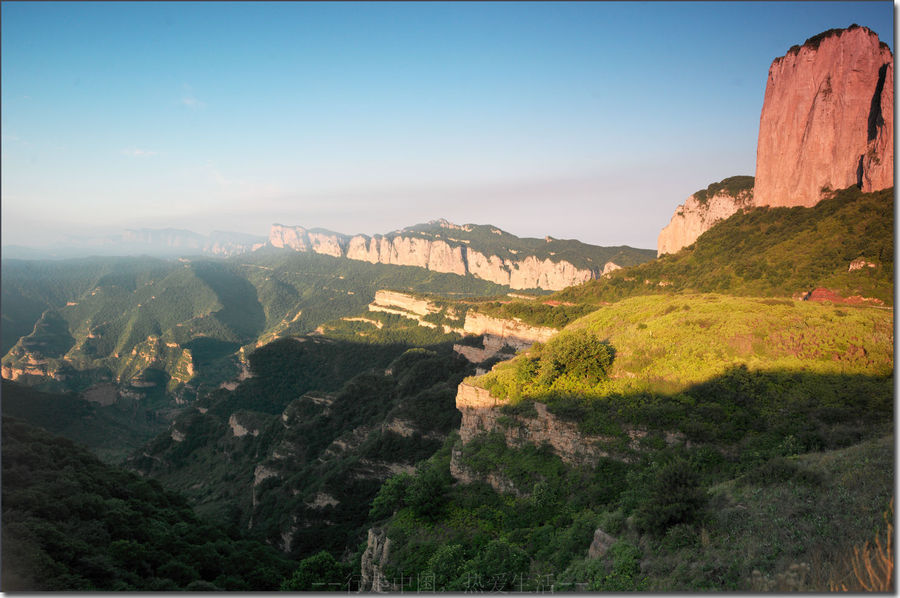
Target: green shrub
x=626, y=569
x=446, y=567
x=320, y=573
x=577, y=355
x=427, y=493
x=391, y=497
x=499, y=566
x=675, y=497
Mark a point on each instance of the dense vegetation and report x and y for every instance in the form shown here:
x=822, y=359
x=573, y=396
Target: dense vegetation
x=71, y=522
x=772, y=252
x=162, y=329
x=110, y=431
x=324, y=424
x=713, y=411
x=677, y=520
x=536, y=313
x=733, y=186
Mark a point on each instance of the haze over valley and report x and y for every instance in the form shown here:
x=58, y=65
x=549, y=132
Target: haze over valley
x=516, y=297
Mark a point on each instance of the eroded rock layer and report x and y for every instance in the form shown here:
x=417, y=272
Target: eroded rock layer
x=697, y=215
x=526, y=272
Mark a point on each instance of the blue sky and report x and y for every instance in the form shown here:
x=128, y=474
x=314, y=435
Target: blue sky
x=588, y=120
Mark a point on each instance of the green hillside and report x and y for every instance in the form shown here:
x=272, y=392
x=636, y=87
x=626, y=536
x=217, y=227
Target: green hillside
x=130, y=320
x=29, y=287
x=773, y=252
x=111, y=431
x=789, y=523
x=71, y=522
x=714, y=412
x=713, y=367
x=668, y=343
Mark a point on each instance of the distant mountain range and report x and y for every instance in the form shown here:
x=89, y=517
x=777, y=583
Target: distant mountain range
x=157, y=242
x=482, y=250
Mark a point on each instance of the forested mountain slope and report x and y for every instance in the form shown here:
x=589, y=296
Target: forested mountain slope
x=296, y=452
x=154, y=326
x=71, y=522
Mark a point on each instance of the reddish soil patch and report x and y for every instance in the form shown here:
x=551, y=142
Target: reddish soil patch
x=823, y=294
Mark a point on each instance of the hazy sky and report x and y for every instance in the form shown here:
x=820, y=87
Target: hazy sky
x=577, y=120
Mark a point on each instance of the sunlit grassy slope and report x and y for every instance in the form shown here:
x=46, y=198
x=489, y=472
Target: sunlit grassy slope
x=668, y=343
x=773, y=252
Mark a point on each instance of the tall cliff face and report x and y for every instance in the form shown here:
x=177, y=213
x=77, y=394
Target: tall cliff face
x=827, y=123
x=441, y=246
x=702, y=210
x=300, y=239
x=827, y=119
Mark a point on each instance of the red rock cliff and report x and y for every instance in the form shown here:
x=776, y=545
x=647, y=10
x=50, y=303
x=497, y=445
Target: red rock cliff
x=827, y=119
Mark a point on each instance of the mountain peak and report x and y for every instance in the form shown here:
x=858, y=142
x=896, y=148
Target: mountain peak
x=827, y=119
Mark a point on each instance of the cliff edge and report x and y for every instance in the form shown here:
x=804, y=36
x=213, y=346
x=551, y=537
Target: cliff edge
x=703, y=209
x=827, y=119
x=482, y=251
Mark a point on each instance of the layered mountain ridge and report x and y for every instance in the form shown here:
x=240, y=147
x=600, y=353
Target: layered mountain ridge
x=483, y=251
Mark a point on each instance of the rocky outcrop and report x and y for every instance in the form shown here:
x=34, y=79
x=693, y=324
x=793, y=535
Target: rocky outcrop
x=482, y=413
x=514, y=333
x=527, y=273
x=28, y=366
x=300, y=239
x=878, y=161
x=452, y=256
x=241, y=428
x=698, y=214
x=859, y=264
x=437, y=255
x=609, y=267
x=827, y=123
x=827, y=119
x=601, y=544
x=376, y=555
x=401, y=302
x=496, y=480
x=501, y=338
x=500, y=335
x=405, y=305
